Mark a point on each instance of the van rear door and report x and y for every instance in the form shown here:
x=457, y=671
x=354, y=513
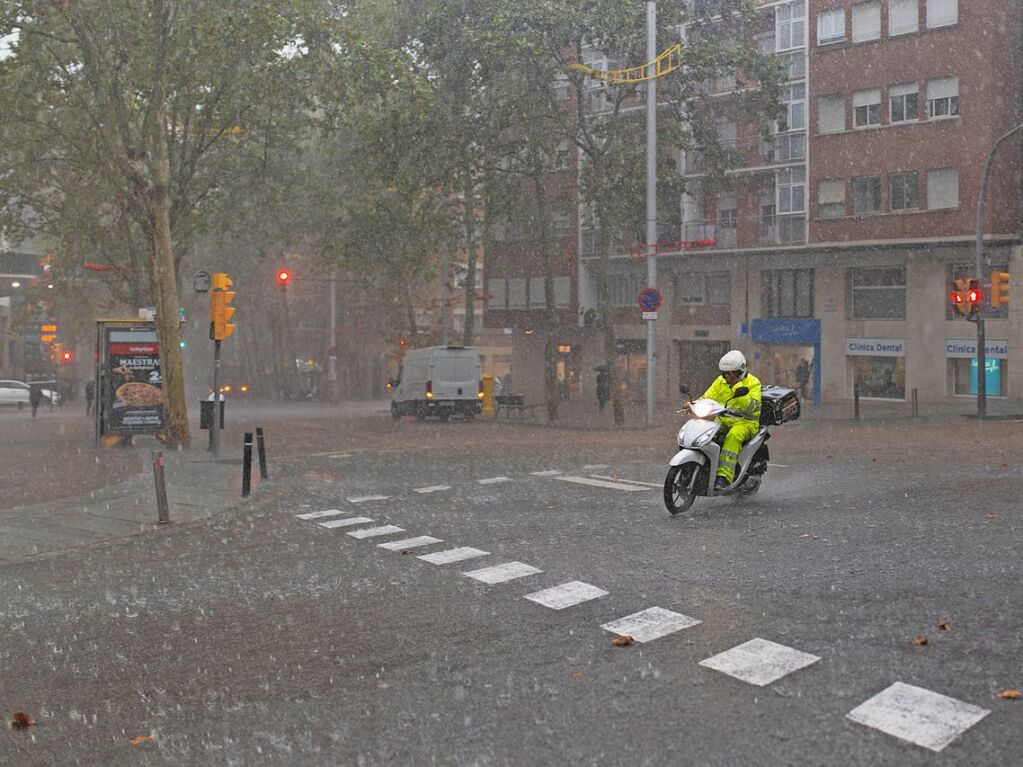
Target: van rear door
x=455, y=375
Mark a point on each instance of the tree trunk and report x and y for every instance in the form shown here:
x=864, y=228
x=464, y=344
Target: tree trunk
x=469, y=221
x=607, y=320
x=550, y=352
x=410, y=313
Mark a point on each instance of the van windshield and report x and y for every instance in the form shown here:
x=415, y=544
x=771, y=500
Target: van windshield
x=456, y=368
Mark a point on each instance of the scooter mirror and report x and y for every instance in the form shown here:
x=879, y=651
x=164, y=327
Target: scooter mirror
x=742, y=391
x=683, y=388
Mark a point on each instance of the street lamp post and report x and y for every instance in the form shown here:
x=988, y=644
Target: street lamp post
x=651, y=202
x=981, y=340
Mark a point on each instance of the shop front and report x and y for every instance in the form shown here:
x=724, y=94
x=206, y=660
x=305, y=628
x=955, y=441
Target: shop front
x=786, y=353
x=631, y=368
x=877, y=366
x=961, y=367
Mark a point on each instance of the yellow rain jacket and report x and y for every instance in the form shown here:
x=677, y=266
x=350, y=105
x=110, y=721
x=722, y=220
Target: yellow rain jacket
x=740, y=430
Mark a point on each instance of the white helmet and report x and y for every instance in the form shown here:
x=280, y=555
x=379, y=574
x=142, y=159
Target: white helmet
x=734, y=360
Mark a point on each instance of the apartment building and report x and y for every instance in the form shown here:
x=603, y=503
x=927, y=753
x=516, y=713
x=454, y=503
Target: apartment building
x=837, y=240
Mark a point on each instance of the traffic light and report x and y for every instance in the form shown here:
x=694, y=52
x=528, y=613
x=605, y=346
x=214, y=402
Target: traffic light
x=66, y=356
x=999, y=288
x=973, y=297
x=221, y=311
x=283, y=278
x=402, y=343
x=956, y=295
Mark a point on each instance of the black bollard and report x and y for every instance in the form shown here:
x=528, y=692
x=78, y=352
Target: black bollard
x=916, y=405
x=261, y=447
x=162, y=508
x=247, y=466
x=856, y=401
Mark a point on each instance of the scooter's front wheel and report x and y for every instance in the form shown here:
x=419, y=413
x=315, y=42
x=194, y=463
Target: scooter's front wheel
x=679, y=488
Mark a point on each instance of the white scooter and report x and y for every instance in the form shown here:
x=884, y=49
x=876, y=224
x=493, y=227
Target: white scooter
x=692, y=470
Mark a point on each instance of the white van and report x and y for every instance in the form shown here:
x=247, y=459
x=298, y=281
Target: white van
x=440, y=381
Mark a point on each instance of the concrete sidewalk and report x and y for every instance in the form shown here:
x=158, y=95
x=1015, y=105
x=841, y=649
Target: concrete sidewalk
x=197, y=488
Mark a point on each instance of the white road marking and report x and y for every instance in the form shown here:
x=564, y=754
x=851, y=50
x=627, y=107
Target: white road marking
x=364, y=498
x=629, y=481
x=652, y=623
x=409, y=543
x=759, y=661
x=321, y=514
x=493, y=480
x=566, y=595
x=373, y=532
x=548, y=473
x=778, y=465
x=344, y=522
x=448, y=556
x=431, y=489
x=919, y=716
x=503, y=572
x=594, y=466
x=601, y=483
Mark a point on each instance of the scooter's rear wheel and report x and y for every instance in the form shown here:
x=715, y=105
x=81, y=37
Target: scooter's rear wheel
x=679, y=488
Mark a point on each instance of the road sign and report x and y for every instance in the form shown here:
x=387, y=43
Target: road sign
x=649, y=315
x=202, y=282
x=649, y=300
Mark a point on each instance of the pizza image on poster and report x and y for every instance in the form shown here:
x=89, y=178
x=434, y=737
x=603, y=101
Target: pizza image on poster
x=133, y=386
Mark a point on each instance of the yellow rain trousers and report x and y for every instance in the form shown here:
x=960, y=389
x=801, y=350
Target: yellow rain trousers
x=740, y=430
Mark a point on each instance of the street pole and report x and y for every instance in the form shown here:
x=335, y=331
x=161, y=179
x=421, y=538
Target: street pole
x=332, y=352
x=445, y=294
x=981, y=340
x=651, y=203
x=215, y=426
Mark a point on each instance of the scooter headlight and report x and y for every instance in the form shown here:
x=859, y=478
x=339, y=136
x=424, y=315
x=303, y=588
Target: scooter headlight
x=702, y=408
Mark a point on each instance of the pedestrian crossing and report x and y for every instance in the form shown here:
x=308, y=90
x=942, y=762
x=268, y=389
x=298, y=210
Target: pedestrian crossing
x=913, y=714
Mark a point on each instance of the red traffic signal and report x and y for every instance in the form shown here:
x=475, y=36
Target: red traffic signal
x=283, y=277
x=66, y=356
x=402, y=342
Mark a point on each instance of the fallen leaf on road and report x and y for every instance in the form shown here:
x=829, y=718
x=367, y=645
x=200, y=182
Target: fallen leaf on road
x=141, y=739
x=1010, y=694
x=579, y=673
x=920, y=641
x=22, y=720
x=622, y=641
x=991, y=516
x=406, y=551
x=945, y=625
x=805, y=535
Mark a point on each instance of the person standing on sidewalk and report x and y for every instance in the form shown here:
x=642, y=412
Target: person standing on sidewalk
x=603, y=388
x=35, y=396
x=90, y=395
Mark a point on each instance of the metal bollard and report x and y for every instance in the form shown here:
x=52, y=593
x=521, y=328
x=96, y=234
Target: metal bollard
x=261, y=447
x=162, y=509
x=247, y=466
x=856, y=401
x=916, y=405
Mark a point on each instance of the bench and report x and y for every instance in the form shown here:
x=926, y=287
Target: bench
x=512, y=402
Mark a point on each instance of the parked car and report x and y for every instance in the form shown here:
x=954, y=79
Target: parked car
x=16, y=393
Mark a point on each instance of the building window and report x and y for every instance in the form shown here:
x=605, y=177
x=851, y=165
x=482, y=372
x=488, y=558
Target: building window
x=942, y=188
x=562, y=225
x=787, y=292
x=563, y=155
x=498, y=293
x=562, y=291
x=904, y=191
x=877, y=294
x=866, y=195
x=866, y=21
x=879, y=377
x=942, y=13
x=830, y=198
x=902, y=102
x=719, y=288
x=790, y=25
x=867, y=107
x=791, y=185
x=516, y=293
x=831, y=26
x=794, y=99
x=903, y=17
x=537, y=298
x=830, y=114
x=795, y=63
x=962, y=375
x=625, y=289
x=689, y=289
x=943, y=97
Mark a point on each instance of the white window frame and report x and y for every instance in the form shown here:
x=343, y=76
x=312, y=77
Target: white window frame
x=790, y=190
x=938, y=188
x=942, y=95
x=823, y=103
x=893, y=180
x=830, y=195
x=831, y=26
x=794, y=99
x=905, y=11
x=866, y=21
x=942, y=13
x=880, y=196
x=694, y=284
x=901, y=92
x=866, y=99
x=790, y=26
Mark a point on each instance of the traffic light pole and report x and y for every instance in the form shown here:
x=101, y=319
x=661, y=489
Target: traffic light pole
x=215, y=426
x=981, y=341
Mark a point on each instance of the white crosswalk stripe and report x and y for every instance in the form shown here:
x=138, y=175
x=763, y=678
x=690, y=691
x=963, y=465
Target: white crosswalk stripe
x=594, y=466
x=409, y=543
x=652, y=623
x=548, y=473
x=603, y=483
x=759, y=661
x=332, y=523
x=321, y=514
x=365, y=498
x=628, y=481
x=919, y=716
x=373, y=532
x=566, y=595
x=503, y=572
x=449, y=556
x=430, y=489
x=493, y=480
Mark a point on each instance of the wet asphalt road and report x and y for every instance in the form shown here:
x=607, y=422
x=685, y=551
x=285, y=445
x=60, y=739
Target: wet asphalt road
x=261, y=638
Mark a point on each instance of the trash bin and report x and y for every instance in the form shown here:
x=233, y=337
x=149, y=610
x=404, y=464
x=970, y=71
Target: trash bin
x=206, y=414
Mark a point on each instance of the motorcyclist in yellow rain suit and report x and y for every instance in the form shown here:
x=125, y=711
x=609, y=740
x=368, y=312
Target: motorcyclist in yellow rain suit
x=735, y=374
